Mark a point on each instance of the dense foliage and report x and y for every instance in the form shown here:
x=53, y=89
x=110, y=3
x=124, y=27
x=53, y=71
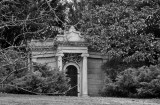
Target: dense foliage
x=16, y=77
x=125, y=29
x=143, y=82
x=42, y=81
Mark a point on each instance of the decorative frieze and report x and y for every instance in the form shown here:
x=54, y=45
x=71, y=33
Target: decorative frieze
x=72, y=57
x=42, y=48
x=74, y=44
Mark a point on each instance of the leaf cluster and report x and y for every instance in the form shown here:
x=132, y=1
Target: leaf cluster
x=126, y=29
x=143, y=82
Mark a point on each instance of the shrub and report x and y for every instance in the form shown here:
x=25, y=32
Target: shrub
x=143, y=82
x=116, y=65
x=110, y=89
x=43, y=80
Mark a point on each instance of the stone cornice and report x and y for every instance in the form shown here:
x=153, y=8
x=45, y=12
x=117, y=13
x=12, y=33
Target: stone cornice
x=72, y=44
x=42, y=48
x=97, y=55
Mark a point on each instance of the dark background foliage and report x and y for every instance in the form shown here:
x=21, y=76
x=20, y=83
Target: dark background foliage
x=143, y=82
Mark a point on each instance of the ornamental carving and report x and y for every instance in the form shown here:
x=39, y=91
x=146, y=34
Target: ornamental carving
x=71, y=57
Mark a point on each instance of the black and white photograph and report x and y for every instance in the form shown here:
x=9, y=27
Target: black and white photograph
x=79, y=52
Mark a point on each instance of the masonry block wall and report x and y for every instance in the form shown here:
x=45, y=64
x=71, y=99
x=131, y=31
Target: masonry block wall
x=95, y=76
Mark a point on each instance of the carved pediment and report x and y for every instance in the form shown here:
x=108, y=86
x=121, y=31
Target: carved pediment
x=71, y=36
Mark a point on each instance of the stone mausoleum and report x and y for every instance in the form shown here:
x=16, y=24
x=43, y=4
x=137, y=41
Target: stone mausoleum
x=69, y=53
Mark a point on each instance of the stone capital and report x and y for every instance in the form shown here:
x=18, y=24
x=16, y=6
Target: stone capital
x=85, y=55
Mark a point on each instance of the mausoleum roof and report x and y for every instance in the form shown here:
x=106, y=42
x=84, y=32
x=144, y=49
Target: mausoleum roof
x=71, y=36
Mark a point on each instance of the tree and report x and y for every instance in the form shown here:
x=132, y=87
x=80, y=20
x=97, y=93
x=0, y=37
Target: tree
x=28, y=19
x=20, y=21
x=124, y=29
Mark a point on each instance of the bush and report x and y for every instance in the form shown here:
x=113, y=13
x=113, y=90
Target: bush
x=110, y=89
x=116, y=65
x=143, y=82
x=43, y=80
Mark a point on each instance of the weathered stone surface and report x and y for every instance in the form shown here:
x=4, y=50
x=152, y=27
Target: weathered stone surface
x=71, y=36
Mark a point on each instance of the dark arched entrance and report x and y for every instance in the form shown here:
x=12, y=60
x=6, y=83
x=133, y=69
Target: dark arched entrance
x=72, y=72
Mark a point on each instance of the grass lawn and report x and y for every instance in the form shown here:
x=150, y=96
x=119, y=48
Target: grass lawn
x=10, y=99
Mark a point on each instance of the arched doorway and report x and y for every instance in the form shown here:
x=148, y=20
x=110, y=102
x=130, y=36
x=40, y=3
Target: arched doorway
x=72, y=73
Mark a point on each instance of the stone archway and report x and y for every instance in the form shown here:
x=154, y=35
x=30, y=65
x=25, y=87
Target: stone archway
x=73, y=72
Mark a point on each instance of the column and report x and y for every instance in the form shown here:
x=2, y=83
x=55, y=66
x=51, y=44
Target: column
x=59, y=62
x=84, y=75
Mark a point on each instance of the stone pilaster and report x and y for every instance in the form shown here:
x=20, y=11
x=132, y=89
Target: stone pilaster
x=59, y=62
x=84, y=75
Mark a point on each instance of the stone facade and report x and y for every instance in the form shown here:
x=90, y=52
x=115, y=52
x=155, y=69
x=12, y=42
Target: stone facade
x=89, y=77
